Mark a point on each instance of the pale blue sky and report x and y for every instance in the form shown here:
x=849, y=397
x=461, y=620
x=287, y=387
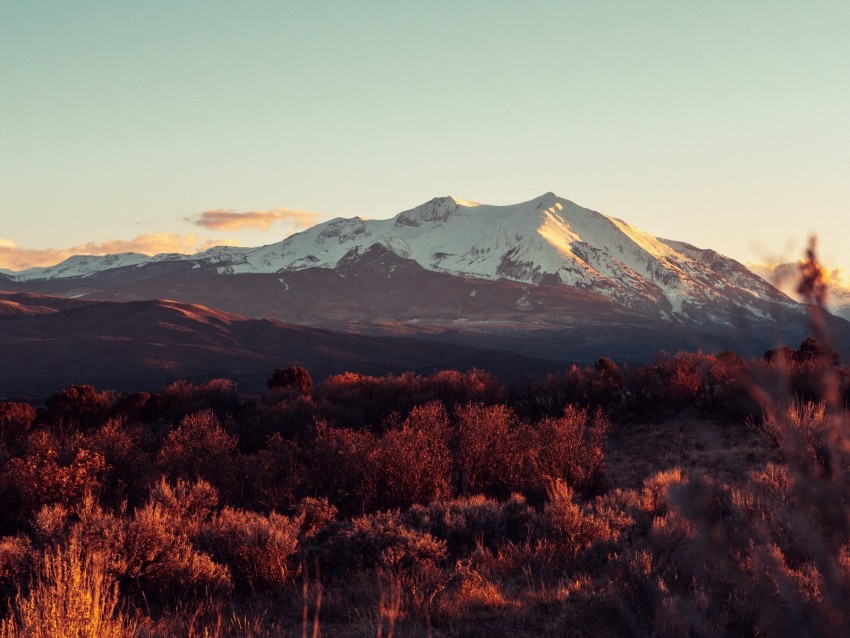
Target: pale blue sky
x=725, y=125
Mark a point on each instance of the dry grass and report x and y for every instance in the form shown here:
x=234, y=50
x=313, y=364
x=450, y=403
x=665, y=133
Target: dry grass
x=72, y=597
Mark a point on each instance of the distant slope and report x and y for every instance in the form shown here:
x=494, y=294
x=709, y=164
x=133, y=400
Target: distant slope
x=142, y=345
x=544, y=278
x=377, y=292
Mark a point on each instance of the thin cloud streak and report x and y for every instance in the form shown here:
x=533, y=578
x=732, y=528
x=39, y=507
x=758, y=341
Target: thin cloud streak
x=221, y=219
x=14, y=257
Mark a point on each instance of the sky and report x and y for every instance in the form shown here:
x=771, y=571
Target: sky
x=159, y=126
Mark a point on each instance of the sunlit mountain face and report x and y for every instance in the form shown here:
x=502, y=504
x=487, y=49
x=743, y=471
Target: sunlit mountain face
x=545, y=278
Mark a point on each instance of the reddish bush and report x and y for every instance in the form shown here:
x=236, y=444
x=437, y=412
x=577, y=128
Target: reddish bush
x=199, y=448
x=358, y=401
x=277, y=475
x=337, y=463
x=568, y=448
x=130, y=467
x=486, y=452
x=469, y=521
x=53, y=471
x=15, y=421
x=568, y=526
x=16, y=560
x=411, y=463
x=159, y=556
x=181, y=398
x=292, y=378
x=257, y=549
x=79, y=405
x=403, y=558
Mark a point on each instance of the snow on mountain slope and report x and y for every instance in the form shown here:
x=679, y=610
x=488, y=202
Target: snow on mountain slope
x=82, y=266
x=546, y=240
x=547, y=236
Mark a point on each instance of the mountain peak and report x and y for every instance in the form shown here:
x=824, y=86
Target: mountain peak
x=438, y=209
x=548, y=238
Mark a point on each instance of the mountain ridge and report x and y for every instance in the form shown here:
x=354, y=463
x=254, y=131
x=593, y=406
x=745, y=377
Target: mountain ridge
x=544, y=278
x=530, y=242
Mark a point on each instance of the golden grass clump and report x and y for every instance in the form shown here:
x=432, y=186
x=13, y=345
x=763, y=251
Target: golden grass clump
x=73, y=596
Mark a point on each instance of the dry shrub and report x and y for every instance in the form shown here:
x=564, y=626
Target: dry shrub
x=382, y=540
x=568, y=448
x=357, y=401
x=15, y=420
x=80, y=405
x=594, y=386
x=467, y=522
x=54, y=471
x=15, y=562
x=655, y=495
x=360, y=471
x=402, y=557
x=568, y=527
x=129, y=467
x=808, y=433
x=486, y=448
x=199, y=448
x=313, y=516
x=158, y=552
x=337, y=464
x=73, y=596
x=411, y=463
x=259, y=550
x=180, y=397
x=765, y=557
x=474, y=591
x=277, y=474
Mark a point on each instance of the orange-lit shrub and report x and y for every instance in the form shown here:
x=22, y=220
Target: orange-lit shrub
x=402, y=557
x=487, y=456
x=199, y=448
x=180, y=398
x=15, y=563
x=382, y=540
x=79, y=405
x=568, y=448
x=54, y=471
x=257, y=549
x=277, y=475
x=411, y=463
x=337, y=463
x=129, y=466
x=357, y=401
x=159, y=555
x=468, y=521
x=15, y=420
x=568, y=526
x=73, y=596
x=294, y=378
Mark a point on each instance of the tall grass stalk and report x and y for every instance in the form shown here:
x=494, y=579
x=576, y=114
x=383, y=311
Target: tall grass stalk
x=72, y=596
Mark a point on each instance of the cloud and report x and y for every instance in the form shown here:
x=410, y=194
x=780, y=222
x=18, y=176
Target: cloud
x=221, y=219
x=14, y=257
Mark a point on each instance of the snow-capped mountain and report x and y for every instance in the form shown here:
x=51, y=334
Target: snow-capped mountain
x=546, y=240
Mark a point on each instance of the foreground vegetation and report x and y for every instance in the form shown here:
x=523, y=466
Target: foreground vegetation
x=699, y=495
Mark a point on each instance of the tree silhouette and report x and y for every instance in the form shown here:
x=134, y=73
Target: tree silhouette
x=291, y=377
